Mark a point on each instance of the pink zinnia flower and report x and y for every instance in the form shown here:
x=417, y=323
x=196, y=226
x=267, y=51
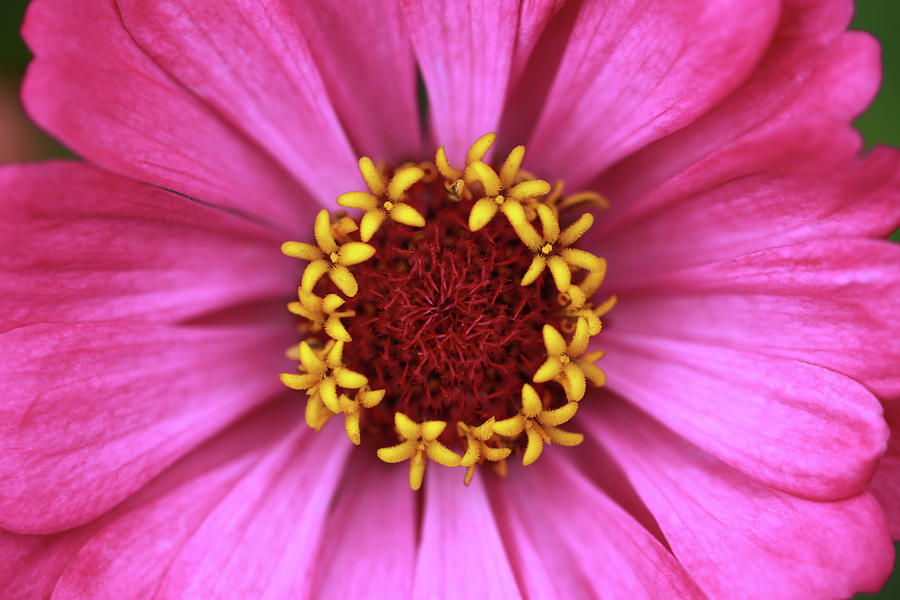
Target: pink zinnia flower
x=148, y=449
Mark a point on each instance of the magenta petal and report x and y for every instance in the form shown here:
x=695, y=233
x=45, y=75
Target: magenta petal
x=638, y=70
x=78, y=244
x=132, y=548
x=834, y=303
x=92, y=411
x=30, y=565
x=773, y=418
x=885, y=485
x=569, y=540
x=811, y=68
x=368, y=546
x=461, y=555
x=250, y=63
x=364, y=54
x=739, y=538
x=94, y=89
x=797, y=183
x=467, y=51
x=261, y=540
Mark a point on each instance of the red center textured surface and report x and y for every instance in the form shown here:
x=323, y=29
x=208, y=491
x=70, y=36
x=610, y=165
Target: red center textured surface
x=442, y=323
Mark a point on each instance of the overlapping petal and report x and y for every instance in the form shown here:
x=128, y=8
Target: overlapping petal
x=363, y=52
x=250, y=63
x=140, y=548
x=592, y=548
x=92, y=411
x=775, y=419
x=797, y=183
x=467, y=51
x=811, y=67
x=834, y=303
x=637, y=70
x=460, y=552
x=737, y=537
x=375, y=509
x=80, y=244
x=95, y=89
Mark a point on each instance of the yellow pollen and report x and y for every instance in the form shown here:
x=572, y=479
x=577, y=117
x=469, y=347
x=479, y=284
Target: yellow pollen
x=541, y=218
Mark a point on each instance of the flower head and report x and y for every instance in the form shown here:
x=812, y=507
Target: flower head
x=691, y=207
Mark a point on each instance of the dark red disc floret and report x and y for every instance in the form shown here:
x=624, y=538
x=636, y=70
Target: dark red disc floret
x=442, y=322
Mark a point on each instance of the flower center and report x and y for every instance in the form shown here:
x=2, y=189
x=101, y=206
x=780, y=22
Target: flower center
x=440, y=325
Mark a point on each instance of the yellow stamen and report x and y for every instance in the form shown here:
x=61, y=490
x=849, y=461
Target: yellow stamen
x=477, y=450
x=376, y=206
x=322, y=374
x=480, y=147
x=402, y=181
x=419, y=440
x=538, y=424
x=581, y=198
x=329, y=257
x=443, y=167
x=553, y=242
x=566, y=361
x=510, y=169
x=352, y=409
x=372, y=176
x=492, y=183
x=322, y=313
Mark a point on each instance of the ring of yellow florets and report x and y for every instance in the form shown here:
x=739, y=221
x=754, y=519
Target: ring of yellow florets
x=341, y=243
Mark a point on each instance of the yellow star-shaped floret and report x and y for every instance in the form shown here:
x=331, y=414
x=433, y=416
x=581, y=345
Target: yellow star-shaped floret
x=322, y=375
x=569, y=361
x=477, y=450
x=539, y=425
x=558, y=202
x=419, y=442
x=322, y=313
x=317, y=414
x=576, y=303
x=552, y=248
x=500, y=189
x=384, y=198
x=329, y=257
x=352, y=409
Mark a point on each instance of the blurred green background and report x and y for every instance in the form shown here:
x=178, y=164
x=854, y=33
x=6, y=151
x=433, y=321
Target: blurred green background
x=20, y=141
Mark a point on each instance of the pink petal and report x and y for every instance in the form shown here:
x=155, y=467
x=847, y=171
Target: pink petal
x=368, y=546
x=834, y=303
x=775, y=419
x=95, y=90
x=533, y=75
x=130, y=550
x=250, y=63
x=261, y=539
x=791, y=185
x=363, y=52
x=885, y=485
x=81, y=244
x=569, y=540
x=461, y=554
x=92, y=411
x=810, y=68
x=30, y=565
x=737, y=537
x=636, y=71
x=467, y=51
